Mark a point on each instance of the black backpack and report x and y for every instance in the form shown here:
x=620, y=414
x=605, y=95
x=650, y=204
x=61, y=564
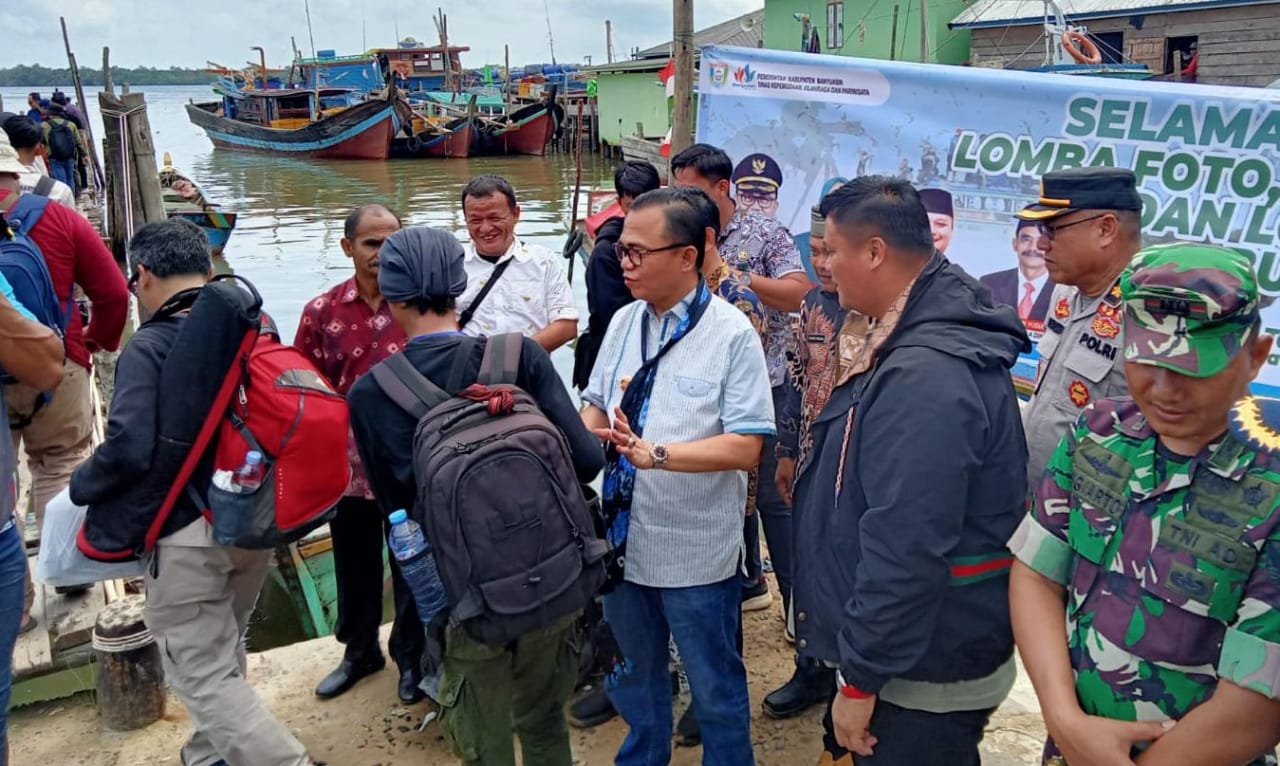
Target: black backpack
x=62, y=141
x=498, y=497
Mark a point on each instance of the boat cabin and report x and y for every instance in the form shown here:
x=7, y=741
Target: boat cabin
x=417, y=67
x=285, y=109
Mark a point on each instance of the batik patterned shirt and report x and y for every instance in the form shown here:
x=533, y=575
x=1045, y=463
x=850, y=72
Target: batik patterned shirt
x=725, y=283
x=344, y=337
x=810, y=372
x=1171, y=564
x=760, y=245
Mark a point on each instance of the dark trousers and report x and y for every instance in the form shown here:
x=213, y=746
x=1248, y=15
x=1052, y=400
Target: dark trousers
x=912, y=738
x=774, y=513
x=359, y=534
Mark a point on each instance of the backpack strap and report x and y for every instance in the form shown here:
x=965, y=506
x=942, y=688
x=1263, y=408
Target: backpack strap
x=24, y=212
x=44, y=186
x=501, y=362
x=408, y=388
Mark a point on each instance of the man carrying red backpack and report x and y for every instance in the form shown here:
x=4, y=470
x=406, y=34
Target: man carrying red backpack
x=199, y=594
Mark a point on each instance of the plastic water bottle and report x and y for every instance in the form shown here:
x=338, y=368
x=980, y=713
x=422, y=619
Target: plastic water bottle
x=417, y=565
x=249, y=476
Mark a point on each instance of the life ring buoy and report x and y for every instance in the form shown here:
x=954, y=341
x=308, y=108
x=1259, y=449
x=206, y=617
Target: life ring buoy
x=414, y=144
x=1081, y=48
x=402, y=69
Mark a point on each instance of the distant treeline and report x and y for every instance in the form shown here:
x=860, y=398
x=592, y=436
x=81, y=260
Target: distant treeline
x=42, y=77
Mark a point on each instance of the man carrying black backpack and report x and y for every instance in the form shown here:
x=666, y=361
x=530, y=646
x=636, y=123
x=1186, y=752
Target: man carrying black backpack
x=516, y=551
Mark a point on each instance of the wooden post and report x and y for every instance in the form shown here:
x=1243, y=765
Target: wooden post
x=98, y=179
x=608, y=41
x=506, y=89
x=442, y=27
x=893, y=36
x=682, y=114
x=131, y=691
x=925, y=53
x=133, y=185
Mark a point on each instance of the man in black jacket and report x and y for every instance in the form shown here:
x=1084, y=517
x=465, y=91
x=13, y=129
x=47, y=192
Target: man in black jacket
x=606, y=292
x=199, y=594
x=917, y=477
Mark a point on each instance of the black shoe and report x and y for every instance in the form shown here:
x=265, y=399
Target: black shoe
x=409, y=690
x=756, y=597
x=346, y=675
x=808, y=686
x=592, y=709
x=688, y=732
x=75, y=590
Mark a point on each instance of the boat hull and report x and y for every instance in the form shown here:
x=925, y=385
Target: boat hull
x=217, y=227
x=528, y=131
x=455, y=144
x=362, y=132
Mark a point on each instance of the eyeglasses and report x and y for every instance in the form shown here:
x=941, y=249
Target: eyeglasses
x=1050, y=230
x=638, y=254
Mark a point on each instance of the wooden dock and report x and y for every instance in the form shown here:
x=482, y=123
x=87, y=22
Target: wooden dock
x=55, y=659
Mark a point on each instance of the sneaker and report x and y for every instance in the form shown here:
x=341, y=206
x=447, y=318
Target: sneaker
x=592, y=709
x=756, y=597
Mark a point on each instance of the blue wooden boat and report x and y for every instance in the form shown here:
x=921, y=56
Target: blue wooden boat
x=184, y=199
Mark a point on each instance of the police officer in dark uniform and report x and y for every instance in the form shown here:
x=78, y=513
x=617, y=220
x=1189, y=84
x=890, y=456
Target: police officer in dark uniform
x=756, y=180
x=1090, y=228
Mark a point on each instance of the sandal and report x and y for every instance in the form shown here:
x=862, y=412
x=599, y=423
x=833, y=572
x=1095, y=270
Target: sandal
x=27, y=626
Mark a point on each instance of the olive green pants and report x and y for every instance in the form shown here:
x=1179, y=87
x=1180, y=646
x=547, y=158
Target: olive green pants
x=488, y=693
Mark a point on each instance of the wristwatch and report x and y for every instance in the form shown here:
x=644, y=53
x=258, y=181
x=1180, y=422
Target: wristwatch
x=849, y=690
x=659, y=454
x=745, y=276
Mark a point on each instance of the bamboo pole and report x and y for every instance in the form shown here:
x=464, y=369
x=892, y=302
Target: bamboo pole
x=98, y=178
x=682, y=114
x=133, y=184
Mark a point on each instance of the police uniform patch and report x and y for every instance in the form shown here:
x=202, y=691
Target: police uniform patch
x=1115, y=291
x=1105, y=326
x=1078, y=393
x=1063, y=309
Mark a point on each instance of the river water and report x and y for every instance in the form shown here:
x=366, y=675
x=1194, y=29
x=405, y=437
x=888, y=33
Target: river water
x=287, y=238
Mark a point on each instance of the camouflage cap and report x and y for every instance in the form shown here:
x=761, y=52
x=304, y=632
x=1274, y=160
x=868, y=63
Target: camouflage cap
x=1188, y=307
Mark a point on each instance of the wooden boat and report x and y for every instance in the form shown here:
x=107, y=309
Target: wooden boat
x=452, y=139
x=417, y=68
x=639, y=149
x=527, y=130
x=281, y=122
x=184, y=199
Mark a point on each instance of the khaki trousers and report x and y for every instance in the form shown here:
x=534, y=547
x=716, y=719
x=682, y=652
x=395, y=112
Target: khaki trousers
x=58, y=439
x=198, y=608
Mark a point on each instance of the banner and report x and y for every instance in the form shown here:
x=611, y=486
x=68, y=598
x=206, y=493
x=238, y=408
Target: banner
x=976, y=141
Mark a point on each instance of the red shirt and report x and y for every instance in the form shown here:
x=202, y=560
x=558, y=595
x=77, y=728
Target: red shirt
x=344, y=338
x=75, y=255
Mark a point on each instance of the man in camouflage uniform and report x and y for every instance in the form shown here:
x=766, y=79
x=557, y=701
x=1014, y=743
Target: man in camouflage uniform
x=1090, y=227
x=1158, y=530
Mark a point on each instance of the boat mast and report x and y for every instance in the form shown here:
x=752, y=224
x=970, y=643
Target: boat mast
x=925, y=55
x=551, y=40
x=306, y=4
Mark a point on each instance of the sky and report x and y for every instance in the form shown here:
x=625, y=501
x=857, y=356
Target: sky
x=164, y=33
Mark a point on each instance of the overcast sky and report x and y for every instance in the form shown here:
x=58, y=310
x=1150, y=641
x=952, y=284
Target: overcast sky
x=164, y=33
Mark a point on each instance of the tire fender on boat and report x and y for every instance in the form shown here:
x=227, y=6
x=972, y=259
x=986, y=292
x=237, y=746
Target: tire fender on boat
x=1081, y=48
x=414, y=144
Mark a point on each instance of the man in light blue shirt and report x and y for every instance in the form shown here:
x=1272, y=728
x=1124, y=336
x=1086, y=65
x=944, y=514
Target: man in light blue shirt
x=681, y=392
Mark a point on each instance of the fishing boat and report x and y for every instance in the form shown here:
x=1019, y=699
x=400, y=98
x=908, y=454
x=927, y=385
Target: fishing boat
x=283, y=121
x=527, y=130
x=417, y=68
x=184, y=199
x=452, y=139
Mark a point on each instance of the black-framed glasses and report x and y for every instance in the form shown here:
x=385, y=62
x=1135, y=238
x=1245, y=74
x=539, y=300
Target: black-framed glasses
x=1050, y=230
x=637, y=254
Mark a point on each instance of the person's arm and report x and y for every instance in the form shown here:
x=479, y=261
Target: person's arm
x=384, y=439
x=125, y=454
x=1248, y=682
x=29, y=351
x=562, y=311
x=549, y=391
x=98, y=275
x=746, y=417
x=1037, y=606
x=556, y=334
x=785, y=283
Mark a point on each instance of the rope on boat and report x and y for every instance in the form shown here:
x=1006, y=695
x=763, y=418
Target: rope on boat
x=122, y=644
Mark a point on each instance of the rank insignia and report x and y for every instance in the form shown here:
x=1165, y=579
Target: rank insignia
x=1105, y=326
x=1078, y=392
x=1063, y=309
x=1115, y=291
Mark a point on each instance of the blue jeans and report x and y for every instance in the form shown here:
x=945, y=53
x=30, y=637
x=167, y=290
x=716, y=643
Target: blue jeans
x=774, y=513
x=64, y=171
x=704, y=621
x=13, y=580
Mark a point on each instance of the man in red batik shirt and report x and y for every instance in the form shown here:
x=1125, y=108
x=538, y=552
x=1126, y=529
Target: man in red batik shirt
x=345, y=331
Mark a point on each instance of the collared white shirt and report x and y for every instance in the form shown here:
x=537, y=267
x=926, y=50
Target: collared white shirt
x=532, y=293
x=686, y=528
x=1038, y=283
x=60, y=191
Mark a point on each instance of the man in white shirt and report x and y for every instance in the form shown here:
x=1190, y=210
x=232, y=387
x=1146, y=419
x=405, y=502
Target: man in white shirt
x=1028, y=287
x=25, y=137
x=512, y=286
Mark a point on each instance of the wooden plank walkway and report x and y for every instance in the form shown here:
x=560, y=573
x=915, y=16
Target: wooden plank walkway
x=63, y=623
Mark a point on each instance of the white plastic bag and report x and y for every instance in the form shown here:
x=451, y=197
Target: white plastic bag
x=60, y=562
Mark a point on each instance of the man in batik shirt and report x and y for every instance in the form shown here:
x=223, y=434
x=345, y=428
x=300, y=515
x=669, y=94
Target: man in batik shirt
x=1146, y=596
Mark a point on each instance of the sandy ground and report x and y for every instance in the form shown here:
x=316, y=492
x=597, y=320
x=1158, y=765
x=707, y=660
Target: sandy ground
x=369, y=727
